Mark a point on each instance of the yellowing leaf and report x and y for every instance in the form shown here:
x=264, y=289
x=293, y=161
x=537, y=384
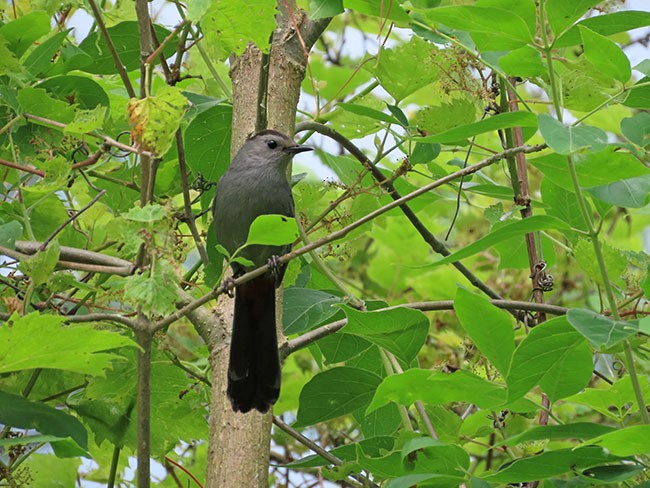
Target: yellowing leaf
x=156, y=118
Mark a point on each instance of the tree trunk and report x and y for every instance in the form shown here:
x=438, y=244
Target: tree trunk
x=240, y=443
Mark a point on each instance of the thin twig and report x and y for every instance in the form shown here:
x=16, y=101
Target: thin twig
x=76, y=255
x=111, y=47
x=331, y=458
x=108, y=140
x=161, y=46
x=70, y=219
x=328, y=329
x=102, y=317
x=91, y=160
x=62, y=264
x=187, y=203
x=25, y=169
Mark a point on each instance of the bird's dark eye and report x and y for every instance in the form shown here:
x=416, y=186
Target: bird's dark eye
x=272, y=144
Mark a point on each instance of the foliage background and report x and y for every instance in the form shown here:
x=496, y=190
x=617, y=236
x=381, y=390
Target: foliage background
x=398, y=396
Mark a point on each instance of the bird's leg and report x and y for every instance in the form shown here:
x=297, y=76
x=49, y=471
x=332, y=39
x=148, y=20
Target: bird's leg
x=275, y=267
x=228, y=285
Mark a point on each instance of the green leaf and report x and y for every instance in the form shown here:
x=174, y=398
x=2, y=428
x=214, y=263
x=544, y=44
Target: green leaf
x=593, y=169
x=616, y=401
x=9, y=232
x=513, y=32
x=637, y=129
x=155, y=119
x=629, y=441
x=400, y=330
x=207, y=142
x=36, y=101
x=9, y=64
x=150, y=213
x=578, y=430
x=127, y=42
x=551, y=463
x=227, y=31
x=18, y=412
x=368, y=112
x=41, y=341
x=550, y=348
x=153, y=290
x=639, y=94
x=424, y=152
x=341, y=347
x=322, y=9
x=84, y=92
x=562, y=14
x=398, y=114
x=438, y=388
x=41, y=58
x=494, y=123
x=614, y=473
x=196, y=9
x=40, y=266
x=400, y=82
x=441, y=118
x=601, y=331
x=525, y=62
x=605, y=25
x=490, y=328
x=371, y=7
x=605, y=55
x=567, y=140
x=629, y=193
x=272, y=230
x=562, y=204
x=22, y=32
x=335, y=392
x=86, y=121
x=514, y=229
x=304, y=308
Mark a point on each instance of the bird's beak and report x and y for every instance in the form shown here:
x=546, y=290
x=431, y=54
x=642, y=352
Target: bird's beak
x=298, y=148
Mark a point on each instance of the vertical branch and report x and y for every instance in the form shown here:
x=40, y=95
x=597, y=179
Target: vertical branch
x=523, y=199
x=261, y=121
x=144, y=338
x=187, y=202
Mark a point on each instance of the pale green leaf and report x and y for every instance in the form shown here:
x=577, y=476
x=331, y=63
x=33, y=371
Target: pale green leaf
x=42, y=341
x=516, y=228
x=490, y=328
x=605, y=55
x=549, y=347
x=601, y=331
x=491, y=124
x=227, y=31
x=568, y=140
x=272, y=230
x=87, y=120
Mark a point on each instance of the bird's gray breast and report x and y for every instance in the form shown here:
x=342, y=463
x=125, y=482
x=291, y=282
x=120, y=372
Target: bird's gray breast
x=241, y=196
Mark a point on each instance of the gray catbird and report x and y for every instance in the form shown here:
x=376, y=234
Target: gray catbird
x=255, y=184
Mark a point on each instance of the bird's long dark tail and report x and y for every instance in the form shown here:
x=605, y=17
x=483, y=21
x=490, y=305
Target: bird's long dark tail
x=254, y=372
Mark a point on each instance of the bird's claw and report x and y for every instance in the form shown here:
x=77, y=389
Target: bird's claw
x=228, y=285
x=274, y=266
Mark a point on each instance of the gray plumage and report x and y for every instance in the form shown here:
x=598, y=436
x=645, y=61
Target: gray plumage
x=255, y=184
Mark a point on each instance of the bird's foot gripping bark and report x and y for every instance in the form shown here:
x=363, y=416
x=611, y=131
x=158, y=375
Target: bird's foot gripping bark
x=275, y=267
x=228, y=285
